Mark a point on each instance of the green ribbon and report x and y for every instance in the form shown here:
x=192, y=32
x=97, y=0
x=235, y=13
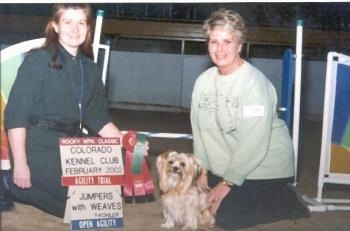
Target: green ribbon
x=139, y=150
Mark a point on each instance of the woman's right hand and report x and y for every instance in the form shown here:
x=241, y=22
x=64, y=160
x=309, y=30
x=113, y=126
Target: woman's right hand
x=21, y=171
x=217, y=195
x=21, y=176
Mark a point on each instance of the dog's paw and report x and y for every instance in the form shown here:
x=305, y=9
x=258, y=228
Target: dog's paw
x=167, y=225
x=207, y=219
x=189, y=227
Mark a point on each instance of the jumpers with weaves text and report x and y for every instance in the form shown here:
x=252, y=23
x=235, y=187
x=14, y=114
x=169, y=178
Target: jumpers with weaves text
x=238, y=136
x=58, y=91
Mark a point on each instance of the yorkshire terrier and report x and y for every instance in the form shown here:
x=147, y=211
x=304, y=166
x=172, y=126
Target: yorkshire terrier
x=185, y=202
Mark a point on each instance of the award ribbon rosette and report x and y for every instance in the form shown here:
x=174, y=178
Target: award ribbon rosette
x=137, y=177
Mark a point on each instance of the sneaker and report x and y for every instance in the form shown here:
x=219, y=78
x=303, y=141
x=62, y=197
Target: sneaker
x=6, y=201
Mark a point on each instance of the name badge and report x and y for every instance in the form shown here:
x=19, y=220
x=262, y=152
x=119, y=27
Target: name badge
x=253, y=111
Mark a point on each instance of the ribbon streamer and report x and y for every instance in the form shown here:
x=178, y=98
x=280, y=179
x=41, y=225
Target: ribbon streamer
x=137, y=178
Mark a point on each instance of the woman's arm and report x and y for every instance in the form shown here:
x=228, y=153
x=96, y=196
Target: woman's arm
x=110, y=130
x=21, y=171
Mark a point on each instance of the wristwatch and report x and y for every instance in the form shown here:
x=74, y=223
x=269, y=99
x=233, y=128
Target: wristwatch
x=227, y=183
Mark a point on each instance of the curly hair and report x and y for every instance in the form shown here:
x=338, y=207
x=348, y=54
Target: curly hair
x=228, y=20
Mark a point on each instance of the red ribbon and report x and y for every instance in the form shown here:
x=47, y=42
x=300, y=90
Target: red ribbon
x=135, y=184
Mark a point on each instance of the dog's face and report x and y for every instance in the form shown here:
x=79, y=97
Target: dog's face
x=177, y=170
x=185, y=202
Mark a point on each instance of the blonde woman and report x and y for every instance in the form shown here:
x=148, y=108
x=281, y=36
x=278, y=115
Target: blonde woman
x=238, y=136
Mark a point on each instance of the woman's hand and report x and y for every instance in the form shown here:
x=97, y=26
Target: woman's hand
x=21, y=176
x=146, y=148
x=217, y=194
x=21, y=171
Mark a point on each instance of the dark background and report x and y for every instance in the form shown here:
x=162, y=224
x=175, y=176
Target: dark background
x=317, y=15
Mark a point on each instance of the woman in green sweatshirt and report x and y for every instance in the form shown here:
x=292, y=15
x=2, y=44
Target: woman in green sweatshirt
x=238, y=136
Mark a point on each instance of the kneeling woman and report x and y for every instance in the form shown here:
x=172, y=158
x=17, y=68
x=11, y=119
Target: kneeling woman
x=58, y=90
x=238, y=136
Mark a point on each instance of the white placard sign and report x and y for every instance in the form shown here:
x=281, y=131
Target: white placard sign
x=95, y=207
x=91, y=161
x=93, y=169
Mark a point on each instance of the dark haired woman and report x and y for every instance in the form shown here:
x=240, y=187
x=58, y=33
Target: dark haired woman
x=58, y=90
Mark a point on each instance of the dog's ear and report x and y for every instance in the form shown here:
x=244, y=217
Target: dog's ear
x=162, y=164
x=161, y=160
x=199, y=169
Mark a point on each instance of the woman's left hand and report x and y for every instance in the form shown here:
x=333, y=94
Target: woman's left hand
x=146, y=148
x=216, y=195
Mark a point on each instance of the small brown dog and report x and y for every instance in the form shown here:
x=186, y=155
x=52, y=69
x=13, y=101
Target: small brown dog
x=185, y=202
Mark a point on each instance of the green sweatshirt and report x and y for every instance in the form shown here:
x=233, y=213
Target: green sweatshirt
x=236, y=130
